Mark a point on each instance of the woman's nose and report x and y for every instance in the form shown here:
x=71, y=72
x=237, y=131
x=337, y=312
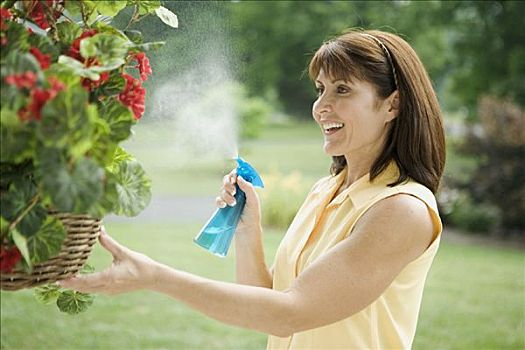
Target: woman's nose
x=322, y=105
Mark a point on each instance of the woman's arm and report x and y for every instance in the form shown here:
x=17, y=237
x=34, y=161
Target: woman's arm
x=352, y=275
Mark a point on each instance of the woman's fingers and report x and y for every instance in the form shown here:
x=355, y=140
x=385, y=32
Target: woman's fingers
x=111, y=245
x=247, y=188
x=228, y=182
x=227, y=193
x=94, y=282
x=220, y=203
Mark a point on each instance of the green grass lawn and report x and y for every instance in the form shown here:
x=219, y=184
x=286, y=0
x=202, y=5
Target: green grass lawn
x=473, y=300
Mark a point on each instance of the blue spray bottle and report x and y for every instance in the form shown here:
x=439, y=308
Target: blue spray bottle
x=216, y=235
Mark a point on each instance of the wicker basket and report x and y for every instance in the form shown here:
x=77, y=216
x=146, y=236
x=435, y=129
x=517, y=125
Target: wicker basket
x=82, y=233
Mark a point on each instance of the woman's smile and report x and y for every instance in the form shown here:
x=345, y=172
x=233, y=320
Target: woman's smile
x=330, y=128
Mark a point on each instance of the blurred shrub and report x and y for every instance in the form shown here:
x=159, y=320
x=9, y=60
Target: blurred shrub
x=282, y=197
x=458, y=209
x=498, y=140
x=253, y=114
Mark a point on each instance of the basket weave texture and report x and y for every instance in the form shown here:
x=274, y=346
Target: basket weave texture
x=82, y=233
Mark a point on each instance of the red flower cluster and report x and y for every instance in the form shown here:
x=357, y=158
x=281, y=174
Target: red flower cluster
x=25, y=80
x=143, y=65
x=38, y=8
x=89, y=84
x=133, y=96
x=4, y=14
x=74, y=51
x=38, y=96
x=43, y=59
x=9, y=258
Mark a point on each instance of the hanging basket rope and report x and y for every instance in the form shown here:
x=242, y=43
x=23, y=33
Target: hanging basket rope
x=82, y=233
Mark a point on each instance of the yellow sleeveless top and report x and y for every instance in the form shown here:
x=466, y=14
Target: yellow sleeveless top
x=323, y=221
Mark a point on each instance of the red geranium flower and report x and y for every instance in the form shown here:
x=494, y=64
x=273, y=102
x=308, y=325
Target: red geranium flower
x=23, y=80
x=143, y=65
x=38, y=8
x=9, y=258
x=43, y=59
x=4, y=14
x=39, y=98
x=74, y=50
x=133, y=96
x=89, y=84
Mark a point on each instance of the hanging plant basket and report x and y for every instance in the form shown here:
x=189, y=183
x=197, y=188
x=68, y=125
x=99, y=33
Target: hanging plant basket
x=82, y=233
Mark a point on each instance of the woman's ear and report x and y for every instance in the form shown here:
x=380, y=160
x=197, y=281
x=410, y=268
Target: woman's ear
x=392, y=106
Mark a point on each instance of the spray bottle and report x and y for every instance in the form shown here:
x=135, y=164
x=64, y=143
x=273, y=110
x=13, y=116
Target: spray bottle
x=216, y=235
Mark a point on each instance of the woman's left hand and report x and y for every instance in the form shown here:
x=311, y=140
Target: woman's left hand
x=130, y=271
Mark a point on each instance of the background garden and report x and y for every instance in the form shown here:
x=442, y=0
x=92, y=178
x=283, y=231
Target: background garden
x=237, y=68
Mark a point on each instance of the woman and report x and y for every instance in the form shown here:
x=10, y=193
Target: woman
x=350, y=271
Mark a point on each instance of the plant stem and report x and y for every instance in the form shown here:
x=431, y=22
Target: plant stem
x=30, y=206
x=133, y=17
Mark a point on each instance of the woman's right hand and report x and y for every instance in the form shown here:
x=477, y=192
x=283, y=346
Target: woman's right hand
x=250, y=221
x=251, y=268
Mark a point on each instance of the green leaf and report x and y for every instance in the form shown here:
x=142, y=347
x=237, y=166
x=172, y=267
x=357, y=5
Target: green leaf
x=73, y=188
x=149, y=46
x=4, y=226
x=108, y=48
x=47, y=294
x=73, y=7
x=77, y=67
x=119, y=118
x=103, y=146
x=104, y=28
x=65, y=125
x=107, y=203
x=90, y=8
x=16, y=37
x=21, y=244
x=110, y=8
x=44, y=44
x=119, y=156
x=10, y=173
x=33, y=220
x=16, y=138
x=114, y=86
x=64, y=74
x=145, y=6
x=133, y=188
x=17, y=198
x=48, y=240
x=73, y=303
x=134, y=36
x=167, y=17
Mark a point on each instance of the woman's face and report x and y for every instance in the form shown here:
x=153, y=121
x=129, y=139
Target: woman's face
x=352, y=118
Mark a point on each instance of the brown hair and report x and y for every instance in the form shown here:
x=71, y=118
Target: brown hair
x=415, y=140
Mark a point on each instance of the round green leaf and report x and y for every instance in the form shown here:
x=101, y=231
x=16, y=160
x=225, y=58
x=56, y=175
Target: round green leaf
x=47, y=294
x=73, y=302
x=72, y=188
x=46, y=243
x=133, y=188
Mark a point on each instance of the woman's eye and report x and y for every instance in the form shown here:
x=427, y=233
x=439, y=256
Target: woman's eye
x=319, y=91
x=343, y=89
